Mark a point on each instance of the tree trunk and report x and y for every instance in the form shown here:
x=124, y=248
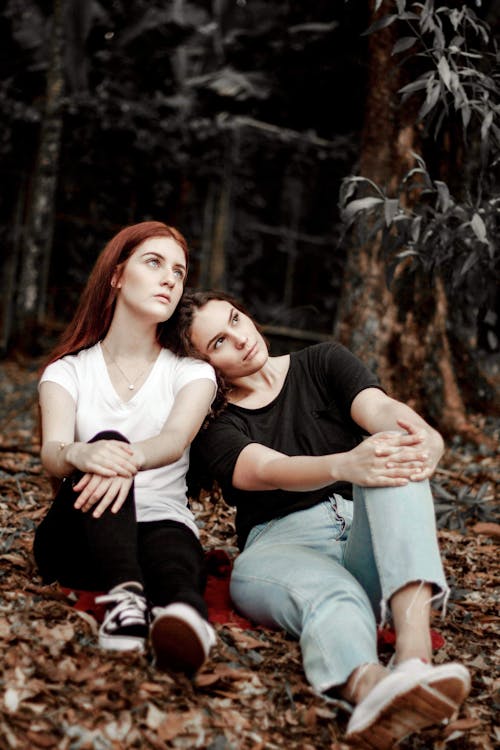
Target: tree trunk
x=410, y=351
x=38, y=233
x=9, y=269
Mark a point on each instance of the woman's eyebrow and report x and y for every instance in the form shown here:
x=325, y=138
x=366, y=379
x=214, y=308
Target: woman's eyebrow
x=153, y=254
x=160, y=256
x=217, y=335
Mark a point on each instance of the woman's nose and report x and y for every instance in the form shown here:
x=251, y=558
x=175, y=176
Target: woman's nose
x=169, y=277
x=241, y=339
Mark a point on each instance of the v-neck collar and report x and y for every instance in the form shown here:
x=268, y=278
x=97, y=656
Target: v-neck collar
x=135, y=394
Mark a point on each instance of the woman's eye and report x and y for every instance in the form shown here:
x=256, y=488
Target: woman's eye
x=235, y=319
x=218, y=342
x=179, y=273
x=153, y=262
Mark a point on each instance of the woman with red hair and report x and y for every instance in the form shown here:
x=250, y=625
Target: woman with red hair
x=118, y=413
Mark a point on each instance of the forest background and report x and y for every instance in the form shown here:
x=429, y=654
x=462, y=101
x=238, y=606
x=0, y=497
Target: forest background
x=239, y=121
x=334, y=165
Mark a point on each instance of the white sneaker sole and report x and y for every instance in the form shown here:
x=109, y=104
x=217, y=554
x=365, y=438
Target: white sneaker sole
x=177, y=645
x=121, y=643
x=413, y=711
x=450, y=680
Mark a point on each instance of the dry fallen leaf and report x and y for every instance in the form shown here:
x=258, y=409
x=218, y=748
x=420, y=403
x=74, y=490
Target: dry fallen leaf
x=490, y=529
x=59, y=688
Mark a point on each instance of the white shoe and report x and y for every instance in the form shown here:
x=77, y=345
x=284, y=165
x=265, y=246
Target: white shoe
x=125, y=625
x=414, y=696
x=452, y=680
x=181, y=638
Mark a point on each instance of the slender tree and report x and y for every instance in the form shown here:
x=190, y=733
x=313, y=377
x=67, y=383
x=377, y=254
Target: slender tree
x=403, y=328
x=37, y=241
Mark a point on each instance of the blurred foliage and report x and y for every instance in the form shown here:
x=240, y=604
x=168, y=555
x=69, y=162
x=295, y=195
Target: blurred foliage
x=424, y=228
x=152, y=89
x=173, y=107
x=461, y=74
x=454, y=510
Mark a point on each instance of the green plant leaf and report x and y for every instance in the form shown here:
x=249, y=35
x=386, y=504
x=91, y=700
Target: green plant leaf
x=382, y=23
x=415, y=228
x=366, y=181
x=469, y=262
x=361, y=204
x=403, y=44
x=456, y=18
x=486, y=124
x=479, y=228
x=430, y=102
x=406, y=254
x=443, y=195
x=445, y=72
x=391, y=209
x=417, y=85
x=466, y=113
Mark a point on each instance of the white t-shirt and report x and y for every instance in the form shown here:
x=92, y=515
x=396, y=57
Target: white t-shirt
x=159, y=493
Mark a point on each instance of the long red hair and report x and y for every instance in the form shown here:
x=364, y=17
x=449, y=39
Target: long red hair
x=95, y=310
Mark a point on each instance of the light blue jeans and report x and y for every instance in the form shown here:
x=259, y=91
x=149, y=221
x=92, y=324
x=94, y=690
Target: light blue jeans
x=326, y=577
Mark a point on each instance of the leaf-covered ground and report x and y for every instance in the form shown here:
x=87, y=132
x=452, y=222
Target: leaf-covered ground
x=57, y=690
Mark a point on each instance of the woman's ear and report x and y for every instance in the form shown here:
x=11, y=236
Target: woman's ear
x=115, y=279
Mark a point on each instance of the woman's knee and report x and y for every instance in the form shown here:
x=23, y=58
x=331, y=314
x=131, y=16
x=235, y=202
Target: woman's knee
x=109, y=435
x=417, y=492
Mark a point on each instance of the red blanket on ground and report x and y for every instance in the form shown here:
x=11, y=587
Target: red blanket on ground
x=218, y=599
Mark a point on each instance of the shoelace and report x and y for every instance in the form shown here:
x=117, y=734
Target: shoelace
x=129, y=608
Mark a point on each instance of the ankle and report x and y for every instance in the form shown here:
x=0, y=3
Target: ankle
x=362, y=681
x=413, y=648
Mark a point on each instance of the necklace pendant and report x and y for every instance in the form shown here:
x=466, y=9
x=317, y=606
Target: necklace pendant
x=131, y=387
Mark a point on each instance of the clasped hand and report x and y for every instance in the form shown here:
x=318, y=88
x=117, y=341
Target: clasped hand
x=110, y=467
x=391, y=458
x=104, y=491
x=109, y=458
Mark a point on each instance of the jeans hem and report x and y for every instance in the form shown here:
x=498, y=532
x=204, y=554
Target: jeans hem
x=439, y=599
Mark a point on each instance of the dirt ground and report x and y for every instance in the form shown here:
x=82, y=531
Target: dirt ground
x=57, y=690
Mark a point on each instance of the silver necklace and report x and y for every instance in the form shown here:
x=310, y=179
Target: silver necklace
x=130, y=384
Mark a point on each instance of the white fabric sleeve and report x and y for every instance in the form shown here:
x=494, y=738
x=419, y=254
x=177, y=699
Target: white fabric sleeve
x=62, y=373
x=189, y=370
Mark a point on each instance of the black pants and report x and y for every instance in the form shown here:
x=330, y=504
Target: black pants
x=95, y=554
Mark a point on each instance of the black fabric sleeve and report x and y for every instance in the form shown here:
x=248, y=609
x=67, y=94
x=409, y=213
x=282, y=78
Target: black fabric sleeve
x=343, y=374
x=311, y=416
x=216, y=449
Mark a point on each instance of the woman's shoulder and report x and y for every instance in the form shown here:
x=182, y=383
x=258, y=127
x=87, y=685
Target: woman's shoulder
x=74, y=371
x=321, y=352
x=226, y=429
x=74, y=361
x=179, y=371
x=170, y=359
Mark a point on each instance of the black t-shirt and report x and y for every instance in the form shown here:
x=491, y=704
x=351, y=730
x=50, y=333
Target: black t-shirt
x=310, y=416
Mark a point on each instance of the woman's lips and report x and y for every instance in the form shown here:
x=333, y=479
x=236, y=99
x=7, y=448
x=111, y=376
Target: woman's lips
x=250, y=353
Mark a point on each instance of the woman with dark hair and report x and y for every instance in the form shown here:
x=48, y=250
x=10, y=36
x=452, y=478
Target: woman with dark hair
x=334, y=516
x=118, y=413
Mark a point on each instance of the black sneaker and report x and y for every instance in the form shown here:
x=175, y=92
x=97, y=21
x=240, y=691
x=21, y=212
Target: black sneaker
x=125, y=626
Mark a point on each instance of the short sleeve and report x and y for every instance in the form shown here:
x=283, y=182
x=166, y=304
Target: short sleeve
x=188, y=370
x=345, y=374
x=216, y=449
x=62, y=372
